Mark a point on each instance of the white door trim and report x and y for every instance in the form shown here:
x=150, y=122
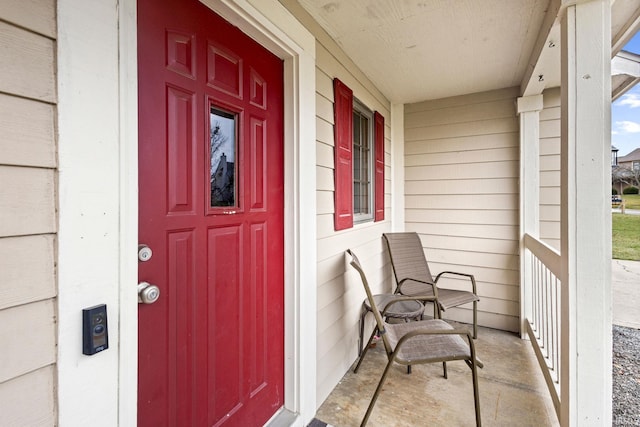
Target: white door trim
x=128, y=69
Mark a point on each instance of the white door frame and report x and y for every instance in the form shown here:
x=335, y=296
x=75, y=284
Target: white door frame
x=271, y=25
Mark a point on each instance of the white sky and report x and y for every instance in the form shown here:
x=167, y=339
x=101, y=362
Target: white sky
x=625, y=122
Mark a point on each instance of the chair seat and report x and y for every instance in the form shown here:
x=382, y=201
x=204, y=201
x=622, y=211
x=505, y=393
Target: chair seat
x=427, y=348
x=400, y=310
x=405, y=310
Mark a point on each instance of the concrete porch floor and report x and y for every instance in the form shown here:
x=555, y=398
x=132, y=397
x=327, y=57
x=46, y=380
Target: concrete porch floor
x=512, y=390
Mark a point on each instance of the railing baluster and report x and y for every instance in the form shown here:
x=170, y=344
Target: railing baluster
x=534, y=292
x=547, y=323
x=545, y=301
x=557, y=331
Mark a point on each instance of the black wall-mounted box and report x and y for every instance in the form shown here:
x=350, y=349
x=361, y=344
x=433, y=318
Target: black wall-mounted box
x=95, y=335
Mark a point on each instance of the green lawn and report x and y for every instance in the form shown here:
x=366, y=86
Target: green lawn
x=626, y=236
x=631, y=201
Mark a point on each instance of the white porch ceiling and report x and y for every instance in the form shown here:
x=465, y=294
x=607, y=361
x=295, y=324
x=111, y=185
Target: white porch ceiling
x=415, y=50
x=426, y=49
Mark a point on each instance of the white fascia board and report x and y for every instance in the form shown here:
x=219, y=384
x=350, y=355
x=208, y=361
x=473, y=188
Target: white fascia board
x=626, y=63
x=626, y=66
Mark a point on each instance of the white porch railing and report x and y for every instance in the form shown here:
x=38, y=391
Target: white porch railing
x=542, y=320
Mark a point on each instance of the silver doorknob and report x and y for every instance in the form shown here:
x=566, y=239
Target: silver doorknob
x=148, y=293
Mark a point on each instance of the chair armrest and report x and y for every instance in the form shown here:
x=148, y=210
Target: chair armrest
x=409, y=279
x=470, y=276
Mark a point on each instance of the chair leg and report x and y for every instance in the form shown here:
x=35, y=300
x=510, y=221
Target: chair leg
x=376, y=393
x=408, y=366
x=475, y=320
x=362, y=316
x=444, y=370
x=473, y=364
x=364, y=350
x=476, y=396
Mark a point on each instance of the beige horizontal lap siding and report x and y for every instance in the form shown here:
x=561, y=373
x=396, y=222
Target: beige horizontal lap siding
x=461, y=196
x=340, y=293
x=28, y=221
x=550, y=168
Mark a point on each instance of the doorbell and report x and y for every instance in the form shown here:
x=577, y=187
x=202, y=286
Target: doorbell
x=95, y=336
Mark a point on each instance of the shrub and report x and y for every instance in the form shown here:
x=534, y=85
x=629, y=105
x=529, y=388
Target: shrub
x=630, y=190
x=614, y=192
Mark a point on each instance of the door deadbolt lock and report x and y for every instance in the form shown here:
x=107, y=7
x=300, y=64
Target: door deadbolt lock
x=148, y=293
x=144, y=253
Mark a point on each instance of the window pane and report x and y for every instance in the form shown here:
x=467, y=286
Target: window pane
x=362, y=134
x=222, y=137
x=365, y=165
x=364, y=190
x=356, y=162
x=365, y=133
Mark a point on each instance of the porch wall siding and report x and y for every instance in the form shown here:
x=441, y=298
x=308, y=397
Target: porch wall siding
x=461, y=196
x=28, y=221
x=339, y=297
x=550, y=168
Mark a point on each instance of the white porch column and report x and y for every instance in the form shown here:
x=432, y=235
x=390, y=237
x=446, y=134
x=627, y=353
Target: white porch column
x=586, y=215
x=529, y=110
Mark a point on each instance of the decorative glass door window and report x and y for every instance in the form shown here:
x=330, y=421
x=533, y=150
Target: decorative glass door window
x=222, y=154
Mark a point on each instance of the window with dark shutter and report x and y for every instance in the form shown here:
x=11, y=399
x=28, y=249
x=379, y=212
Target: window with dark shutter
x=359, y=160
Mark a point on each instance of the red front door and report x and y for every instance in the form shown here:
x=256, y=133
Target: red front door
x=211, y=210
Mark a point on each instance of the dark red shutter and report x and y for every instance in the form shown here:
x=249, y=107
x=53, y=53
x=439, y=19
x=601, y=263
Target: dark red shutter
x=378, y=134
x=343, y=172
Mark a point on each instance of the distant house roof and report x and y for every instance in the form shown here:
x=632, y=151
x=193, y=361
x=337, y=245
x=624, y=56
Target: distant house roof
x=632, y=156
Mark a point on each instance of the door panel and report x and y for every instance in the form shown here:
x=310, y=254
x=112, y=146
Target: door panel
x=181, y=149
x=211, y=209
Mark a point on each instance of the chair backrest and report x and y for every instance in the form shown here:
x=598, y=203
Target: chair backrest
x=407, y=256
x=355, y=263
